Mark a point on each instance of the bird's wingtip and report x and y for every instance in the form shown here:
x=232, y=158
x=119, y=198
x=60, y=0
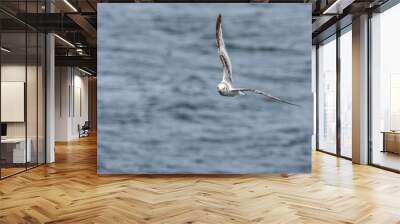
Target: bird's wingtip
x=293, y=104
x=296, y=105
x=283, y=101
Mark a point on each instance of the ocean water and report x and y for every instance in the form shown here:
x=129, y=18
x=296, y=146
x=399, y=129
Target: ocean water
x=158, y=106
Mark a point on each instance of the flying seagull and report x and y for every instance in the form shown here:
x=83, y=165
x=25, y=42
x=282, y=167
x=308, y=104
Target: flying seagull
x=225, y=87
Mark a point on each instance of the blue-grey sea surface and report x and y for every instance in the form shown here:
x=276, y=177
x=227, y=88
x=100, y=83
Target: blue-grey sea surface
x=158, y=106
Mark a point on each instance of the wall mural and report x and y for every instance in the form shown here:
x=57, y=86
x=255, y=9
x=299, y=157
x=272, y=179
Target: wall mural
x=163, y=109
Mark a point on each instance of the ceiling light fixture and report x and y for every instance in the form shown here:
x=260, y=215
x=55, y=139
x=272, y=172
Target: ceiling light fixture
x=65, y=41
x=337, y=7
x=84, y=71
x=79, y=51
x=70, y=5
x=5, y=50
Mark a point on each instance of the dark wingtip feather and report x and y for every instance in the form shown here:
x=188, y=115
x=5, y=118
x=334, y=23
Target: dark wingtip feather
x=219, y=20
x=295, y=105
x=283, y=101
x=218, y=26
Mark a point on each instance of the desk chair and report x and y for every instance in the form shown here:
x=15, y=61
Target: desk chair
x=84, y=130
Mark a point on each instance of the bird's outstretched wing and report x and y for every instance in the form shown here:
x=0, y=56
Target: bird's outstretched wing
x=222, y=53
x=269, y=96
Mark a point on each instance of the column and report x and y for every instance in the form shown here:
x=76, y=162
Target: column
x=360, y=90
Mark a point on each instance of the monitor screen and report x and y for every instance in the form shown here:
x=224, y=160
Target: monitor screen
x=3, y=129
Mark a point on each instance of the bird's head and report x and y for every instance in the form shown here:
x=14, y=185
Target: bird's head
x=222, y=87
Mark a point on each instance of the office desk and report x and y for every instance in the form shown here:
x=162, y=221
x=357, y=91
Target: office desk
x=16, y=147
x=391, y=141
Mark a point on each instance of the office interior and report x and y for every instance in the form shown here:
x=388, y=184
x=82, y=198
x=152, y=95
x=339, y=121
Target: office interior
x=48, y=80
x=32, y=118
x=48, y=128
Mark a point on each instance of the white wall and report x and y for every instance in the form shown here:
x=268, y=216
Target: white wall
x=12, y=101
x=62, y=82
x=71, y=102
x=34, y=126
x=16, y=72
x=79, y=103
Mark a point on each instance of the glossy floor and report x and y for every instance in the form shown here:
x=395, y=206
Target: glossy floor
x=387, y=159
x=70, y=191
x=5, y=172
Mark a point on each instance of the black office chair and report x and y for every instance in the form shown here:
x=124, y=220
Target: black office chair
x=84, y=130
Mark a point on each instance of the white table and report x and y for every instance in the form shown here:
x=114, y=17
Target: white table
x=19, y=153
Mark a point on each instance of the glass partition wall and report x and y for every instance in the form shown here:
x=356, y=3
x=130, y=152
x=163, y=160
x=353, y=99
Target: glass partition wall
x=13, y=89
x=22, y=100
x=345, y=61
x=327, y=95
x=334, y=105
x=334, y=109
x=385, y=89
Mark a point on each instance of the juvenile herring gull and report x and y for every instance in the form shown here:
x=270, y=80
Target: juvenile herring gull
x=225, y=87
